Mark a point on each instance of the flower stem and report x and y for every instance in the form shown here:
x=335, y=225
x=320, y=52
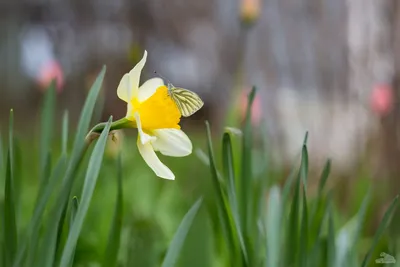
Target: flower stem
x=116, y=125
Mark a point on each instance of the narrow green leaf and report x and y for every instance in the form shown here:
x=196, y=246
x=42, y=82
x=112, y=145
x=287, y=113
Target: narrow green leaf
x=11, y=143
x=303, y=252
x=64, y=136
x=292, y=238
x=10, y=236
x=78, y=150
x=46, y=128
x=305, y=139
x=246, y=200
x=304, y=166
x=331, y=238
x=88, y=188
x=349, y=235
x=45, y=176
x=229, y=172
x=221, y=207
x=32, y=237
x=60, y=239
x=288, y=185
x=35, y=222
x=1, y=157
x=111, y=253
x=74, y=209
x=273, y=228
x=381, y=229
x=324, y=176
x=179, y=238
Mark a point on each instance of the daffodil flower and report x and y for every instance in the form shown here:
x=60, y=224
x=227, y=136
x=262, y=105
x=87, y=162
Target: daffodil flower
x=156, y=116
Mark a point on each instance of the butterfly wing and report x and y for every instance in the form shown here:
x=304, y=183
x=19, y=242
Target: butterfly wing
x=188, y=102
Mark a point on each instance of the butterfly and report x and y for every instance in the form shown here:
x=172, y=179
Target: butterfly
x=187, y=101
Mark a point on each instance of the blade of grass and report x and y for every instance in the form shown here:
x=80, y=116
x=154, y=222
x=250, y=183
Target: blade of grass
x=246, y=200
x=331, y=237
x=305, y=140
x=324, y=176
x=288, y=185
x=10, y=236
x=78, y=150
x=46, y=128
x=292, y=237
x=304, y=166
x=222, y=211
x=292, y=175
x=229, y=172
x=381, y=229
x=273, y=227
x=34, y=225
x=33, y=237
x=349, y=235
x=111, y=253
x=74, y=209
x=1, y=158
x=88, y=188
x=64, y=136
x=304, y=233
x=179, y=238
x=60, y=240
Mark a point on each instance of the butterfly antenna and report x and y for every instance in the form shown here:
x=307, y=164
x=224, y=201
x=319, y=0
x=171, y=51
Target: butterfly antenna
x=155, y=72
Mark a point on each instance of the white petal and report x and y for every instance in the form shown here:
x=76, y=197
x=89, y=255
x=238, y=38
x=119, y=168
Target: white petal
x=129, y=84
x=144, y=137
x=134, y=75
x=149, y=88
x=172, y=142
x=123, y=88
x=150, y=157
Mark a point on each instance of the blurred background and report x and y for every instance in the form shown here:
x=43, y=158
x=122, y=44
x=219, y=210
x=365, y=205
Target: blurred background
x=330, y=67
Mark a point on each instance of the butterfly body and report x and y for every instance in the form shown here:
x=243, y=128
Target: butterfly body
x=187, y=101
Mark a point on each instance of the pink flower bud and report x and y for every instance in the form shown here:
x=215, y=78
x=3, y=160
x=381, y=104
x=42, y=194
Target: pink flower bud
x=256, y=111
x=382, y=99
x=50, y=70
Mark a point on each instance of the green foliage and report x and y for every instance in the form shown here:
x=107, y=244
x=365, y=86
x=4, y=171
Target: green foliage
x=227, y=214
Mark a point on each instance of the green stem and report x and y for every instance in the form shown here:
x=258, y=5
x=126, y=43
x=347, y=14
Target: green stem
x=116, y=125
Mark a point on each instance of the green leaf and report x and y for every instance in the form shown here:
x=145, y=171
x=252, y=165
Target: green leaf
x=10, y=236
x=229, y=173
x=35, y=222
x=381, y=229
x=324, y=176
x=87, y=193
x=288, y=185
x=292, y=238
x=64, y=136
x=113, y=245
x=304, y=166
x=74, y=209
x=349, y=235
x=273, y=228
x=1, y=158
x=179, y=238
x=331, y=238
x=246, y=200
x=305, y=140
x=222, y=211
x=46, y=128
x=78, y=151
x=304, y=232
